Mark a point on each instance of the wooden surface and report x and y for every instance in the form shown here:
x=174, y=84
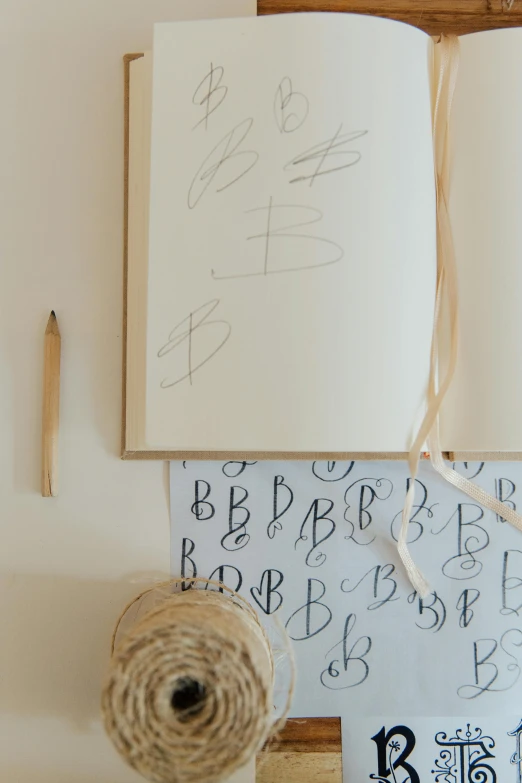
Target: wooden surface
x=433, y=16
x=307, y=750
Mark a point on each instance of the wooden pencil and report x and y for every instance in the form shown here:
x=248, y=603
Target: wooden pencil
x=51, y=407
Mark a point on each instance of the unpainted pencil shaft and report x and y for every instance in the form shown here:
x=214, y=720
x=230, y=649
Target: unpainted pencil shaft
x=51, y=408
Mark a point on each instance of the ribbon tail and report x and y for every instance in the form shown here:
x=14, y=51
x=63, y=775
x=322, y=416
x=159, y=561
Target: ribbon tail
x=415, y=575
x=473, y=491
x=441, y=112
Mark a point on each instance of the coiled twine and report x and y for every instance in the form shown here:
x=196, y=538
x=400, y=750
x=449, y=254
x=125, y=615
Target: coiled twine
x=189, y=693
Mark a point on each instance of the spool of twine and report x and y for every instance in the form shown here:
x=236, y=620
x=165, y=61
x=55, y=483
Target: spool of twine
x=189, y=692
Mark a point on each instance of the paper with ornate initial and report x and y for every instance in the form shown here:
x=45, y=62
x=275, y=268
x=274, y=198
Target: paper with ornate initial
x=316, y=543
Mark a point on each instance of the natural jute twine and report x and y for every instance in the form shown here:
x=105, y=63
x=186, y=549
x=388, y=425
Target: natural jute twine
x=189, y=692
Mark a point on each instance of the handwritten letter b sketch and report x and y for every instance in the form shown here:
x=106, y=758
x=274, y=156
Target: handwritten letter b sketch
x=262, y=256
x=428, y=689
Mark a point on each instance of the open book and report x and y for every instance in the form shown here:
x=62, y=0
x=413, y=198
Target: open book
x=281, y=245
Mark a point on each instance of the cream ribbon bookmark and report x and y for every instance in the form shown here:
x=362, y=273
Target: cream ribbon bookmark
x=448, y=55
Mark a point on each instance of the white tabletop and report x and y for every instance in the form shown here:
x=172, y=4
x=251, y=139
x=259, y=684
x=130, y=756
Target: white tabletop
x=68, y=564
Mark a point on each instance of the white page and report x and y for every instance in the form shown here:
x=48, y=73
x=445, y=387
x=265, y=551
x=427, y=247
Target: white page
x=332, y=357
x=366, y=648
x=482, y=412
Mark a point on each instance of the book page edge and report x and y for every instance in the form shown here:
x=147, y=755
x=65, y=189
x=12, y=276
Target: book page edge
x=127, y=60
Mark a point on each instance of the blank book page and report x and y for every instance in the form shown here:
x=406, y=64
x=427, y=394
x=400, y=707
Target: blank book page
x=482, y=410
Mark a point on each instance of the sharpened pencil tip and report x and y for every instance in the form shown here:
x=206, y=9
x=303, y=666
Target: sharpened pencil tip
x=52, y=324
